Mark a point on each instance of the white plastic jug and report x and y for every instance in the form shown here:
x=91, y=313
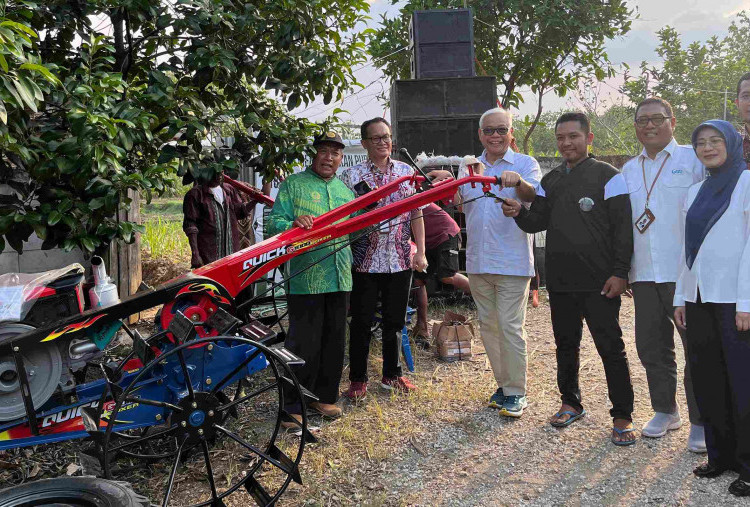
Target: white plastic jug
x=104, y=292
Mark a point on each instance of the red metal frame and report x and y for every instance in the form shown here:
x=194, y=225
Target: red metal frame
x=240, y=269
x=253, y=192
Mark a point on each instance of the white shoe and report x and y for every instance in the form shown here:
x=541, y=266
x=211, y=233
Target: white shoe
x=697, y=439
x=660, y=424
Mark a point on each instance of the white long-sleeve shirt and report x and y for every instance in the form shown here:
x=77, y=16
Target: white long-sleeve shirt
x=656, y=251
x=721, y=270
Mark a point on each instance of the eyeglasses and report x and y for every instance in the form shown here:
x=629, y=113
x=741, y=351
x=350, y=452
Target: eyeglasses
x=714, y=142
x=657, y=121
x=500, y=130
x=379, y=139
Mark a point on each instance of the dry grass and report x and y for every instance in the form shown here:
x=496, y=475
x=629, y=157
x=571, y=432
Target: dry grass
x=165, y=239
x=385, y=424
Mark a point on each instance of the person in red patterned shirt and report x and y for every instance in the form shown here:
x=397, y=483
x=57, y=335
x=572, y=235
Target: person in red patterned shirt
x=743, y=104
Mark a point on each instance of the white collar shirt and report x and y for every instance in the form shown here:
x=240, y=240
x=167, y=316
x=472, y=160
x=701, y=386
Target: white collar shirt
x=656, y=251
x=721, y=270
x=495, y=244
x=218, y=194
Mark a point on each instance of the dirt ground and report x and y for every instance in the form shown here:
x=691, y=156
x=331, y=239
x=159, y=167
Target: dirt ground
x=442, y=446
x=467, y=454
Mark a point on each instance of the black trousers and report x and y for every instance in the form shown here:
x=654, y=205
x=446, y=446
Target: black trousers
x=602, y=317
x=317, y=334
x=719, y=356
x=393, y=289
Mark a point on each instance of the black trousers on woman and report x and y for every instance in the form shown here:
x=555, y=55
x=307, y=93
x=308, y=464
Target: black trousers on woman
x=719, y=356
x=393, y=289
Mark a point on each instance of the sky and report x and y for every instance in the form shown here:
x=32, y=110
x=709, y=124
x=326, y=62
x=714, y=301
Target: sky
x=695, y=20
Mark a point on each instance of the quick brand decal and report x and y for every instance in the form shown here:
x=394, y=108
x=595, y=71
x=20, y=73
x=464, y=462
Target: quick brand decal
x=209, y=288
x=72, y=328
x=301, y=245
x=71, y=413
x=65, y=421
x=250, y=265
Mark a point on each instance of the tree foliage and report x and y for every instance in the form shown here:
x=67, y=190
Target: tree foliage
x=541, y=44
x=695, y=78
x=121, y=95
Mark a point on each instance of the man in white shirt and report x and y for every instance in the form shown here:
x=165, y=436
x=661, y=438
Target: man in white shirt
x=658, y=180
x=499, y=258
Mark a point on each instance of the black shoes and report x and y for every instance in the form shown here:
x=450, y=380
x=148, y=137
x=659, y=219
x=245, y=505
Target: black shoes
x=707, y=470
x=737, y=488
x=740, y=488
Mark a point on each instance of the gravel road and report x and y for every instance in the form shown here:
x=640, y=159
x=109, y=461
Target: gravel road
x=487, y=459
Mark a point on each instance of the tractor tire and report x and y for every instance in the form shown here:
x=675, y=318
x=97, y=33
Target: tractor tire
x=73, y=492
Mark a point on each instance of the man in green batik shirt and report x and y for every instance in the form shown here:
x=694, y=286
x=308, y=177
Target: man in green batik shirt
x=318, y=297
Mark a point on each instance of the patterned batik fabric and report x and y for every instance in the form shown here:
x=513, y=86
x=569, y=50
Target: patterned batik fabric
x=387, y=247
x=325, y=267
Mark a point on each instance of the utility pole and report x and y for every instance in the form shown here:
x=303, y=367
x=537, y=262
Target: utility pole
x=726, y=97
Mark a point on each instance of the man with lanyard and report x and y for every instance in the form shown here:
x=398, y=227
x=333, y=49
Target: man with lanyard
x=211, y=211
x=499, y=258
x=318, y=293
x=658, y=181
x=583, y=204
x=743, y=105
x=382, y=263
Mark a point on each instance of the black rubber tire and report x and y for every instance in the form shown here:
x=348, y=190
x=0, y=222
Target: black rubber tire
x=73, y=492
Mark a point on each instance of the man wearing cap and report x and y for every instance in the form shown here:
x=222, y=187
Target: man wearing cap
x=318, y=296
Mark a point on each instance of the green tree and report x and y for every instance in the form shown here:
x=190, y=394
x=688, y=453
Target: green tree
x=699, y=79
x=131, y=89
x=541, y=44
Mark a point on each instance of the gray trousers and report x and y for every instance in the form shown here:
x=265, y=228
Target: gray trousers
x=654, y=340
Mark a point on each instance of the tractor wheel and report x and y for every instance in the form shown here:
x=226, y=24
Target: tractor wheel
x=72, y=492
x=223, y=433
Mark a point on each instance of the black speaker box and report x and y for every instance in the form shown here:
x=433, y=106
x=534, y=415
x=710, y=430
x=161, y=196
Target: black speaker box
x=442, y=43
x=446, y=97
x=441, y=136
x=440, y=116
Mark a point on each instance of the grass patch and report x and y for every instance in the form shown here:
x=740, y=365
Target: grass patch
x=165, y=238
x=170, y=209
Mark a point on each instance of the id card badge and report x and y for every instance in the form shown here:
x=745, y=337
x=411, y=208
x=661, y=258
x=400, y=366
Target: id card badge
x=644, y=221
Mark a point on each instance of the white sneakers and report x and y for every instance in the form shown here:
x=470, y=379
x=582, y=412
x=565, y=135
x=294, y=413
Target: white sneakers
x=661, y=423
x=697, y=439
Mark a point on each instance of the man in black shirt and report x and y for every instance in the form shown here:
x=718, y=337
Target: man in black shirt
x=584, y=206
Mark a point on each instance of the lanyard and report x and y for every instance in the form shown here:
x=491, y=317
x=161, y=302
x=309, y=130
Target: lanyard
x=653, y=183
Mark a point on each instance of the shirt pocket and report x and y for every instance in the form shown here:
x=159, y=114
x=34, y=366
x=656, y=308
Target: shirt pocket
x=634, y=181
x=678, y=178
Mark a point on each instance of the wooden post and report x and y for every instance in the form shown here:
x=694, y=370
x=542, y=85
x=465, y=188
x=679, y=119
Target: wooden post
x=124, y=261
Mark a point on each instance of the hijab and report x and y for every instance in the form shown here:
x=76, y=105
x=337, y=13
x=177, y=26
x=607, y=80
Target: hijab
x=715, y=193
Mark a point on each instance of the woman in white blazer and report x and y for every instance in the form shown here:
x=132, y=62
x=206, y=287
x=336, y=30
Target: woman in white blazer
x=712, y=300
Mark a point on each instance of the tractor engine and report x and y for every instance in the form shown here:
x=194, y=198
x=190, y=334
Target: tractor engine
x=31, y=301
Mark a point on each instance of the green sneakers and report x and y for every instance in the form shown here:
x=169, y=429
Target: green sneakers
x=497, y=399
x=513, y=406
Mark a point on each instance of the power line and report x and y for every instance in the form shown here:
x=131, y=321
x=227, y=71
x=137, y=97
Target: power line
x=381, y=58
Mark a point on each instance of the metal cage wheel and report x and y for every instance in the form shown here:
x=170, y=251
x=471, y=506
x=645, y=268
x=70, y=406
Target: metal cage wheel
x=248, y=422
